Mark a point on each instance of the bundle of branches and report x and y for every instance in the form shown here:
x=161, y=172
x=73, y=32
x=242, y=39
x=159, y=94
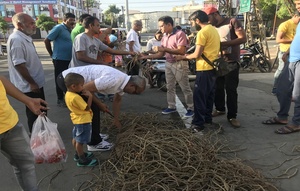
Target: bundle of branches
x=158, y=156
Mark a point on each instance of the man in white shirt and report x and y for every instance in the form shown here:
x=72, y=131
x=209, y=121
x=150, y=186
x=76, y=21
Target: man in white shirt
x=24, y=66
x=133, y=45
x=156, y=41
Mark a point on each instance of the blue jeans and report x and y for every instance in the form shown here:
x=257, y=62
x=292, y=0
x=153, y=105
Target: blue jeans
x=82, y=133
x=294, y=68
x=204, y=92
x=284, y=92
x=279, y=70
x=16, y=148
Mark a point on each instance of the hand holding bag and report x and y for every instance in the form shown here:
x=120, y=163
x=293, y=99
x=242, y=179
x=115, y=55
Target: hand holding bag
x=46, y=143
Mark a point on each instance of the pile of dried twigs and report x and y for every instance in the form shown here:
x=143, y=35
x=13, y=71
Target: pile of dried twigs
x=151, y=154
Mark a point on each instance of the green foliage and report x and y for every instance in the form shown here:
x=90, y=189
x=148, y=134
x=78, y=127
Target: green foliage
x=268, y=8
x=111, y=15
x=45, y=23
x=3, y=27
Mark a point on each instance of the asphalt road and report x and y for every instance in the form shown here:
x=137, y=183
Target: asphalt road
x=256, y=144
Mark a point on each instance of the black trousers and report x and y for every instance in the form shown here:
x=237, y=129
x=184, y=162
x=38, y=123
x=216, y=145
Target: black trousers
x=31, y=117
x=228, y=83
x=59, y=67
x=95, y=137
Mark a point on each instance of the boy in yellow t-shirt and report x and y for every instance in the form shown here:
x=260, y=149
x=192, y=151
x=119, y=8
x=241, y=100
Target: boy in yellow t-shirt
x=81, y=116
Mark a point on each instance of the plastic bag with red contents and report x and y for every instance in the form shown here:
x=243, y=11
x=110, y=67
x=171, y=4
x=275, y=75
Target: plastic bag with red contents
x=46, y=143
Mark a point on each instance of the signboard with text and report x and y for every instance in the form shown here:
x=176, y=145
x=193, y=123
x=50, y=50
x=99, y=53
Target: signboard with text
x=11, y=2
x=245, y=6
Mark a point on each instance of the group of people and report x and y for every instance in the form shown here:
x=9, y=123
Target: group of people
x=287, y=81
x=27, y=85
x=80, y=74
x=216, y=34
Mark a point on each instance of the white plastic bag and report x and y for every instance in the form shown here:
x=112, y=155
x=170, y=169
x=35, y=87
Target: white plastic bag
x=46, y=143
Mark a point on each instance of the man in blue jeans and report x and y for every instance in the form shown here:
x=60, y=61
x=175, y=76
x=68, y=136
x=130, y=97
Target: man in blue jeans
x=288, y=88
x=62, y=50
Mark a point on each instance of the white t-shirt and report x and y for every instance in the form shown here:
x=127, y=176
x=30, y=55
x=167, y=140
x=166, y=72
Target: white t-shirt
x=107, y=80
x=152, y=42
x=133, y=36
x=90, y=46
x=20, y=49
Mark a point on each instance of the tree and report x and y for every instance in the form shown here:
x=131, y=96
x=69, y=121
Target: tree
x=3, y=27
x=88, y=4
x=45, y=23
x=111, y=15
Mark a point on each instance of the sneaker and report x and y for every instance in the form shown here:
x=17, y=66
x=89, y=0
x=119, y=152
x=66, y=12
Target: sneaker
x=61, y=103
x=168, y=111
x=104, y=136
x=216, y=113
x=189, y=113
x=234, y=122
x=102, y=146
x=87, y=155
x=88, y=162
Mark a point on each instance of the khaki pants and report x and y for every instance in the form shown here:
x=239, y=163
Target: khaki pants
x=178, y=72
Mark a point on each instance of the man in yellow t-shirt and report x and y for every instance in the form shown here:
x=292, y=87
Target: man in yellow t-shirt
x=285, y=35
x=207, y=43
x=14, y=140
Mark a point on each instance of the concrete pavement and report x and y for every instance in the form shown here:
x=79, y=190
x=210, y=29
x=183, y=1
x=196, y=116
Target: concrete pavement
x=277, y=156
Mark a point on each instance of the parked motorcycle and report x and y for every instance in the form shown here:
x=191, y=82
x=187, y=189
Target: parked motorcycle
x=253, y=56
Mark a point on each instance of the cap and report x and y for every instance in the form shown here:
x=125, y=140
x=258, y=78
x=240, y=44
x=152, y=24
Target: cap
x=210, y=10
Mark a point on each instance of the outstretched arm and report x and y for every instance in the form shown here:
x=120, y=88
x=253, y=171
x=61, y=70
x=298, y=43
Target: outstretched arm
x=34, y=104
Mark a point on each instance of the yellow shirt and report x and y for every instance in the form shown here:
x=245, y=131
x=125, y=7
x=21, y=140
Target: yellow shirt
x=8, y=116
x=210, y=39
x=289, y=28
x=77, y=106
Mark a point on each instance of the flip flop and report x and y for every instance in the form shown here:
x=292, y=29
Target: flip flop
x=287, y=130
x=273, y=121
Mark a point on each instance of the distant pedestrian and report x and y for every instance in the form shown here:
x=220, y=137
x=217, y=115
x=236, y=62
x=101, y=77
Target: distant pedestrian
x=156, y=41
x=173, y=43
x=25, y=68
x=207, y=44
x=14, y=139
x=78, y=29
x=133, y=45
x=81, y=116
x=62, y=50
x=232, y=35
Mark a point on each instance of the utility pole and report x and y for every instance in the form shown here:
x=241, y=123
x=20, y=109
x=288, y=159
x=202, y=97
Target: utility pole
x=127, y=15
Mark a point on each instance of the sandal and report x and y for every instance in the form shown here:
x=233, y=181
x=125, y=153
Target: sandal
x=287, y=130
x=273, y=121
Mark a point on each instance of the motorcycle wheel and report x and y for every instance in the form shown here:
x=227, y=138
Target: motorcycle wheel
x=161, y=83
x=263, y=65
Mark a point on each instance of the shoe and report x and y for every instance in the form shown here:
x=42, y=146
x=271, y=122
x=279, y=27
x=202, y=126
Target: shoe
x=189, y=113
x=197, y=129
x=168, y=111
x=216, y=113
x=87, y=162
x=102, y=146
x=104, y=136
x=87, y=155
x=234, y=122
x=61, y=103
